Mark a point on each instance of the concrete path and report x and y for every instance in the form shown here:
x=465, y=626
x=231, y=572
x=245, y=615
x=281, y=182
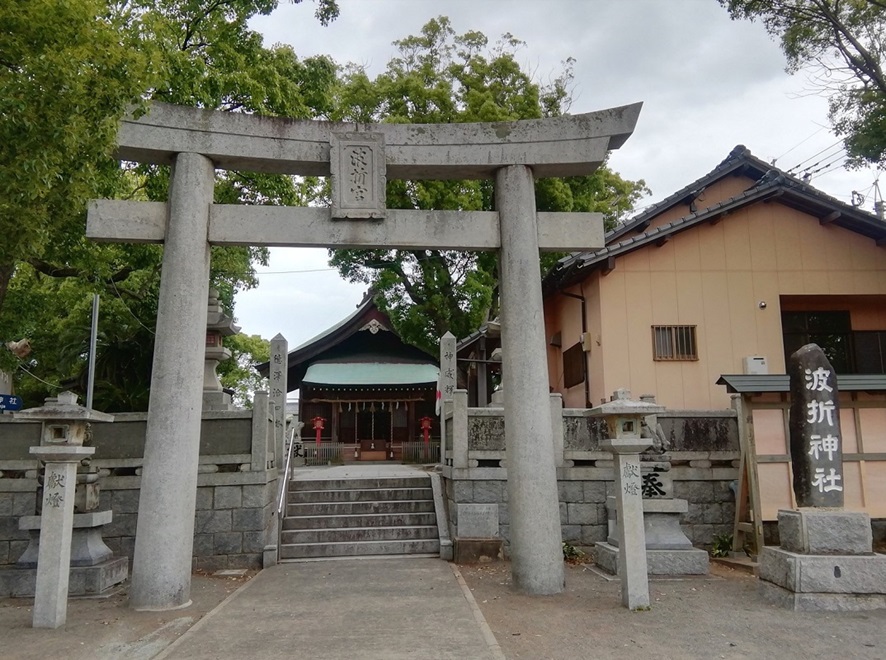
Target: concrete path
x=353, y=608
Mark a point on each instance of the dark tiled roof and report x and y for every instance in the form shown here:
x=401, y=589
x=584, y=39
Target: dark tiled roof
x=770, y=183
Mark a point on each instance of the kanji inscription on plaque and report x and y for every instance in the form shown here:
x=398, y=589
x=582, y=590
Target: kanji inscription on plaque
x=357, y=163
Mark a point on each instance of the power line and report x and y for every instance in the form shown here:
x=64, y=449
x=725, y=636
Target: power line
x=58, y=387
x=774, y=160
x=292, y=272
x=814, y=155
x=126, y=307
x=821, y=163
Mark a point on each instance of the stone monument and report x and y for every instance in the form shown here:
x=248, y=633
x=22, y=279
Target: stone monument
x=624, y=418
x=825, y=561
x=277, y=377
x=218, y=326
x=60, y=538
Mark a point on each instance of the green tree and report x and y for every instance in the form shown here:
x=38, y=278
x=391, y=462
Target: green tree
x=442, y=77
x=237, y=373
x=841, y=43
x=68, y=72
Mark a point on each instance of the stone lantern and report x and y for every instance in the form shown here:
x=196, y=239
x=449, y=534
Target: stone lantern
x=218, y=326
x=60, y=538
x=668, y=550
x=624, y=420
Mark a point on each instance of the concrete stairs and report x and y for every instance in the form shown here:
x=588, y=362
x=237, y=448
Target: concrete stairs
x=359, y=518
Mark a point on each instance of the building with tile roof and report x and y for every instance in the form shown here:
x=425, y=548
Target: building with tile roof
x=728, y=275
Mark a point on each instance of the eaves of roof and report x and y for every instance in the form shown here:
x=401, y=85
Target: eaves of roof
x=739, y=161
x=775, y=184
x=327, y=338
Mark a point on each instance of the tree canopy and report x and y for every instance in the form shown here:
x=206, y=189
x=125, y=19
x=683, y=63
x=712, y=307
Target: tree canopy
x=442, y=77
x=841, y=43
x=68, y=72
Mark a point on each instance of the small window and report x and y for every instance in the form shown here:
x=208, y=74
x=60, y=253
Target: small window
x=674, y=342
x=573, y=365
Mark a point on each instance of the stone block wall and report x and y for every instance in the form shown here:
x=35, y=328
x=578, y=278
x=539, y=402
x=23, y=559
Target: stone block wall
x=704, y=456
x=236, y=485
x=231, y=524
x=583, y=491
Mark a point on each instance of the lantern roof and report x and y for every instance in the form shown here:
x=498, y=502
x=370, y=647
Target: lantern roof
x=621, y=404
x=64, y=407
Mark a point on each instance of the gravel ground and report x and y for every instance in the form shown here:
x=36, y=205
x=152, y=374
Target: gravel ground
x=719, y=616
x=105, y=628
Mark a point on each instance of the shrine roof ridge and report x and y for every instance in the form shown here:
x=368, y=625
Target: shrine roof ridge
x=568, y=145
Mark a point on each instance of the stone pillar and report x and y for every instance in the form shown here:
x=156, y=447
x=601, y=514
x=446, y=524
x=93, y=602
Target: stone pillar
x=161, y=567
x=447, y=385
x=825, y=561
x=816, y=444
x=460, y=429
x=277, y=379
x=557, y=429
x=533, y=502
x=57, y=522
x=631, y=534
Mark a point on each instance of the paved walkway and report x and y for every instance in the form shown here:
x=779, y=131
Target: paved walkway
x=354, y=608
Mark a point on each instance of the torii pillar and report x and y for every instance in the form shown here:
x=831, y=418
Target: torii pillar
x=359, y=157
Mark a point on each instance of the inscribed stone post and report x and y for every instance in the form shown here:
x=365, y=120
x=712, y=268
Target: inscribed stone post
x=277, y=377
x=631, y=535
x=447, y=384
x=816, y=446
x=56, y=529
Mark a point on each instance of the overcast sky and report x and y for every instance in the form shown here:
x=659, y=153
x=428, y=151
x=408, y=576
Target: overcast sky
x=707, y=84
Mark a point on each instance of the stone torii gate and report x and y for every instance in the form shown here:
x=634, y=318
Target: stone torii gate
x=359, y=157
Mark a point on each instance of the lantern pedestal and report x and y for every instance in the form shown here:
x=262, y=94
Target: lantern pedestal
x=668, y=550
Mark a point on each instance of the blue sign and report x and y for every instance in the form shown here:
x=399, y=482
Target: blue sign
x=10, y=402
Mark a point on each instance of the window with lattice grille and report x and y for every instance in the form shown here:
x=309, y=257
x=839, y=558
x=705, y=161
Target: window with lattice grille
x=674, y=342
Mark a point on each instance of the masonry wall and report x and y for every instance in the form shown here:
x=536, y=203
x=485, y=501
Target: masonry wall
x=236, y=492
x=704, y=467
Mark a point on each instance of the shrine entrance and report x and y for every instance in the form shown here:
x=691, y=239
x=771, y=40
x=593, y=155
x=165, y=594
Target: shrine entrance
x=360, y=158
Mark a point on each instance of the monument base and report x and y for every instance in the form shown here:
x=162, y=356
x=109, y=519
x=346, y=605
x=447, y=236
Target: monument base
x=87, y=546
x=84, y=580
x=658, y=562
x=825, y=562
x=213, y=400
x=821, y=602
x=661, y=523
x=476, y=551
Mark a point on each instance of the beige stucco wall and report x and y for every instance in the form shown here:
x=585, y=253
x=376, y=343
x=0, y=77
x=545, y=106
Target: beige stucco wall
x=714, y=277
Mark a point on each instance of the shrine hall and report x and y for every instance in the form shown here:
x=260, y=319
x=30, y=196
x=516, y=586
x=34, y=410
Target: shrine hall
x=365, y=393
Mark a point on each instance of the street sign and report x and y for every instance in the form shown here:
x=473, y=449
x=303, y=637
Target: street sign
x=10, y=402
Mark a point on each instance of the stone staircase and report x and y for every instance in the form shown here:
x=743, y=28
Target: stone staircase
x=359, y=518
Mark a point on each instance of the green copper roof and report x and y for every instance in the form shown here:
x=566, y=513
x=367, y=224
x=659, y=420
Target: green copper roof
x=370, y=373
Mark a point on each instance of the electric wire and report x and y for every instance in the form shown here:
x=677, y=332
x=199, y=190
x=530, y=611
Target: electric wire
x=58, y=387
x=131, y=313
x=774, y=160
x=814, y=155
x=827, y=160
